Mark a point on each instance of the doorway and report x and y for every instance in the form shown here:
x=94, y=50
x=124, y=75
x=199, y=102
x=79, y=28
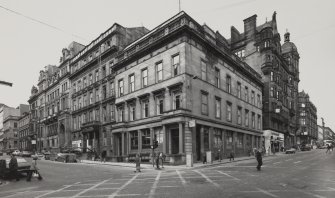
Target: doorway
x=174, y=141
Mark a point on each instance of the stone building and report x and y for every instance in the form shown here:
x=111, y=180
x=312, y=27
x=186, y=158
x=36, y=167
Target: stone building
x=10, y=116
x=24, y=139
x=178, y=84
x=308, y=132
x=260, y=47
x=49, y=104
x=92, y=88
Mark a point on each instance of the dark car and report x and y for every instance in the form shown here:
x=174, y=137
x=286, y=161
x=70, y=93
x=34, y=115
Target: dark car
x=305, y=147
x=23, y=166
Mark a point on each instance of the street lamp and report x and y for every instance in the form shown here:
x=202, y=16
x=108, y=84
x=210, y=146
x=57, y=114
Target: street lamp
x=6, y=83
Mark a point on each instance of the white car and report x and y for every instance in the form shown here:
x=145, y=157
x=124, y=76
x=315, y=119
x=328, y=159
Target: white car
x=16, y=152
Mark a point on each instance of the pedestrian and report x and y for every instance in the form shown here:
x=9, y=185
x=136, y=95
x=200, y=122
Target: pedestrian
x=34, y=170
x=103, y=156
x=138, y=163
x=231, y=156
x=13, y=166
x=259, y=159
x=161, y=158
x=204, y=159
x=157, y=160
x=328, y=149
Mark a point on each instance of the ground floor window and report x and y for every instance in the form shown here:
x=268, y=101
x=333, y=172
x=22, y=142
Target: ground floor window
x=217, y=138
x=239, y=140
x=134, y=140
x=145, y=138
x=229, y=139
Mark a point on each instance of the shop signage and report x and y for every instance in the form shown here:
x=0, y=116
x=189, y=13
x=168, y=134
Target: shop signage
x=191, y=123
x=33, y=141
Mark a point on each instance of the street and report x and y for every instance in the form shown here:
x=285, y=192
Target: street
x=304, y=174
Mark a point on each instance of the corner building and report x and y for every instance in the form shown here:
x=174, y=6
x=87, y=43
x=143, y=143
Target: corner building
x=181, y=85
x=259, y=46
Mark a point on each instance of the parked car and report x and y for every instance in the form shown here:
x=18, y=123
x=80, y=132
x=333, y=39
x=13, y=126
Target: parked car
x=305, y=147
x=25, y=154
x=38, y=156
x=66, y=157
x=16, y=152
x=23, y=166
x=290, y=151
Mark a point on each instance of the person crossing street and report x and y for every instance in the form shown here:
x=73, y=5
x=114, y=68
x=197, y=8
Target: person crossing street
x=259, y=159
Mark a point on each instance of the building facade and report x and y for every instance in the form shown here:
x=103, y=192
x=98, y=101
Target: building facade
x=49, y=104
x=179, y=84
x=10, y=140
x=260, y=47
x=24, y=142
x=93, y=90
x=308, y=132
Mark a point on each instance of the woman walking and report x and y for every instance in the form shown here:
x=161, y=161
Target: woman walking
x=138, y=163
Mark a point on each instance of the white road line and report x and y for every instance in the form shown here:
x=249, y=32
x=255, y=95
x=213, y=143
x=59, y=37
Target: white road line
x=181, y=178
x=331, y=188
x=277, y=162
x=53, y=191
x=168, y=186
x=90, y=188
x=154, y=186
x=226, y=174
x=266, y=192
x=208, y=179
x=122, y=187
x=297, y=162
x=312, y=194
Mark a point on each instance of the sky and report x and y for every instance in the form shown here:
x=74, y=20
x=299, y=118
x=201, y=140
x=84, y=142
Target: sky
x=35, y=34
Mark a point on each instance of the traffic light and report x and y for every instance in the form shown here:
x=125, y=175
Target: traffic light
x=155, y=144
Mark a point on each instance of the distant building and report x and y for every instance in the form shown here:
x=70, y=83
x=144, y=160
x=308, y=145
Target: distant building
x=260, y=47
x=9, y=122
x=308, y=132
x=25, y=141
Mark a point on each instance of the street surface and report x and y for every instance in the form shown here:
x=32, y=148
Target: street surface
x=305, y=174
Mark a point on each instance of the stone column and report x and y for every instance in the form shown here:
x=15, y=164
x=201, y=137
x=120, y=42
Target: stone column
x=210, y=142
x=122, y=144
x=164, y=139
x=109, y=143
x=181, y=142
x=253, y=142
x=245, y=149
x=188, y=146
x=139, y=141
x=234, y=142
x=202, y=149
x=169, y=143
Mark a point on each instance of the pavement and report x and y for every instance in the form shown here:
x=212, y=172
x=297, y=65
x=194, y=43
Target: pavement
x=307, y=174
x=180, y=167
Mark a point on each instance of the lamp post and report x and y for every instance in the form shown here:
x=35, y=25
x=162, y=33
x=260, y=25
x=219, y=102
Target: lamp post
x=323, y=130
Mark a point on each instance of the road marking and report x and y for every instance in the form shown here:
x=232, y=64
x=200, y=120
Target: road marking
x=90, y=188
x=209, y=180
x=312, y=194
x=181, y=178
x=228, y=175
x=50, y=192
x=266, y=192
x=168, y=186
x=331, y=188
x=154, y=186
x=277, y=162
x=297, y=162
x=288, y=159
x=122, y=187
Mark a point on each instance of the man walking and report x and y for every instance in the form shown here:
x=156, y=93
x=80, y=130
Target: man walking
x=328, y=149
x=13, y=168
x=259, y=160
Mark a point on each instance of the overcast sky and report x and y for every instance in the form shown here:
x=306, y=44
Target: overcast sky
x=26, y=46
